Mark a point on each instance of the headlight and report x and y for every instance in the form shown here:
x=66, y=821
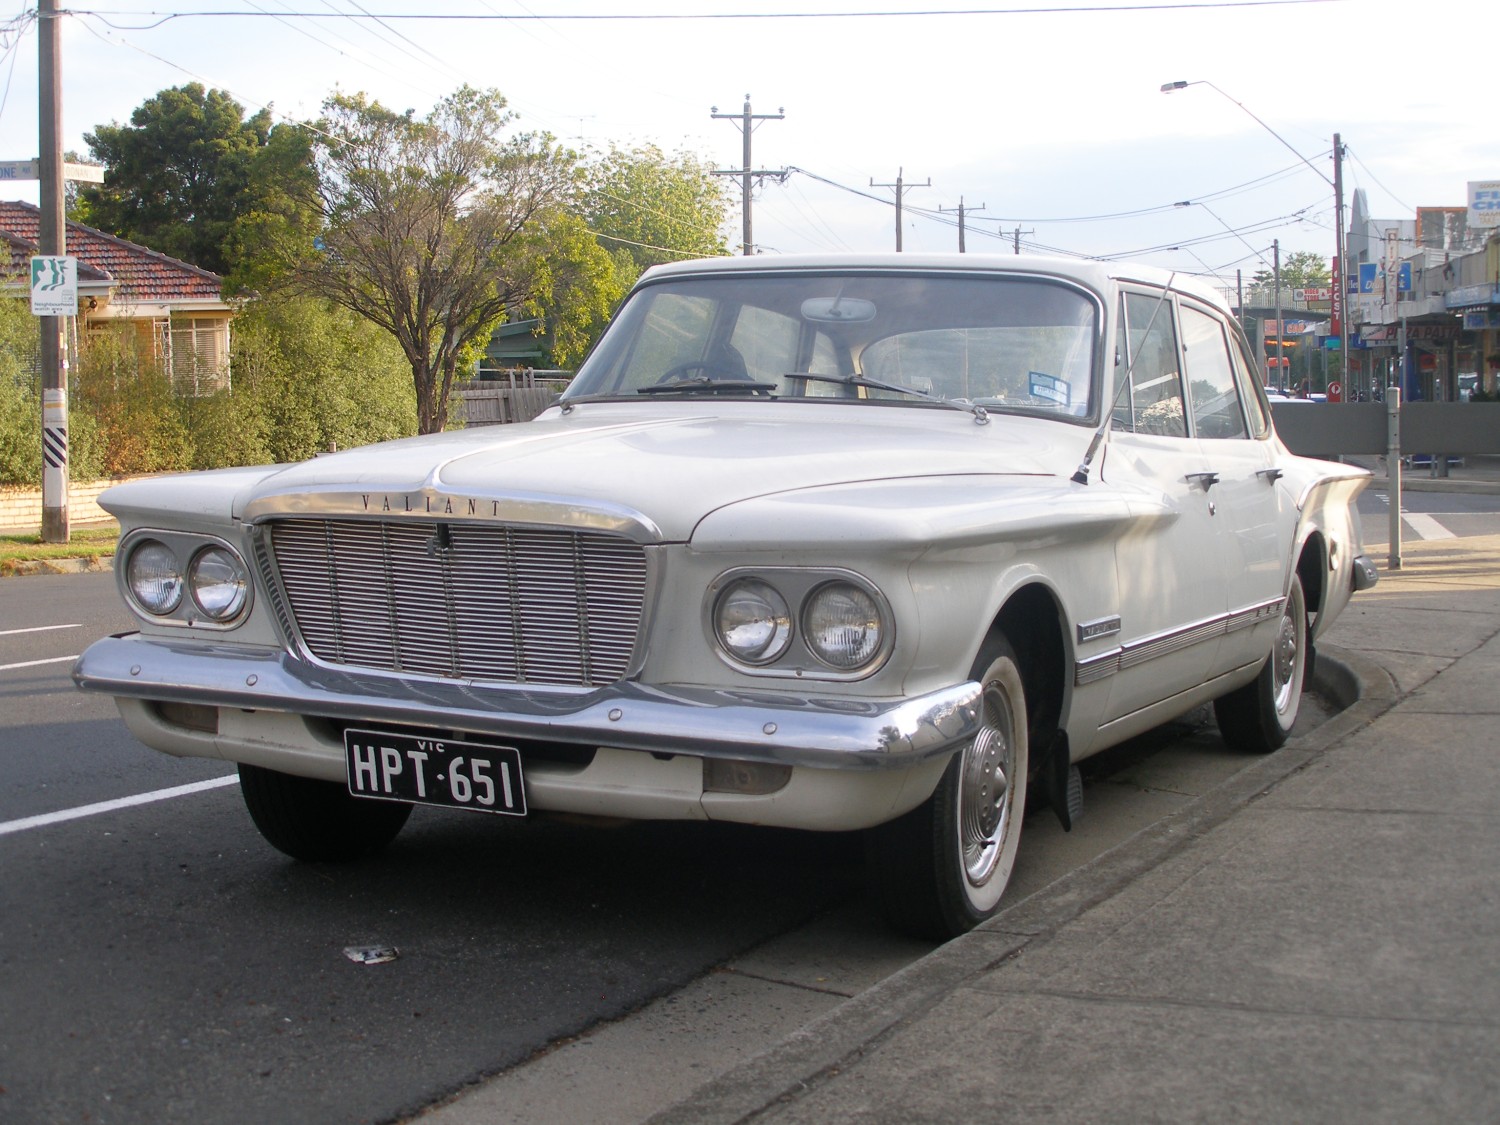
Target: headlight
x=218, y=583
x=154, y=577
x=842, y=626
x=752, y=622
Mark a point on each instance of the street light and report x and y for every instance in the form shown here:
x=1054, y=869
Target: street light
x=1342, y=282
x=1168, y=87
x=1222, y=223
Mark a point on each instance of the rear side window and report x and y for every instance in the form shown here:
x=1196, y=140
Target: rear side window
x=1254, y=398
x=1212, y=389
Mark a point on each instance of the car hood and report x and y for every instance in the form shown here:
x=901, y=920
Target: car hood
x=655, y=471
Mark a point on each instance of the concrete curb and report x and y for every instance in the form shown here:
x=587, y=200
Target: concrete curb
x=838, y=1039
x=22, y=568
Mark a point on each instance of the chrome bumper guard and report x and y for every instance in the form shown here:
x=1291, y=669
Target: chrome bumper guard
x=1365, y=574
x=761, y=726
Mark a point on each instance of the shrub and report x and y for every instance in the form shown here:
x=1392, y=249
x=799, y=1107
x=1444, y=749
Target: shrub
x=306, y=377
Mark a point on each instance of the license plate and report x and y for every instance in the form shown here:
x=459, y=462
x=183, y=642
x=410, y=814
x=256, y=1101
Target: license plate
x=434, y=771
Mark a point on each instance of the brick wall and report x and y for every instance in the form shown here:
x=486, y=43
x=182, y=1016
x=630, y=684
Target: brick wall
x=22, y=507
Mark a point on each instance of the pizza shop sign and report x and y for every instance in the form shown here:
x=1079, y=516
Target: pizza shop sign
x=1390, y=333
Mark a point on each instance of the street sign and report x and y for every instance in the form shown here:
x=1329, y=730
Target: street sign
x=32, y=170
x=20, y=170
x=54, y=286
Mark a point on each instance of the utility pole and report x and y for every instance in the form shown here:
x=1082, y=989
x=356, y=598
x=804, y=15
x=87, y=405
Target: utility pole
x=52, y=241
x=901, y=189
x=1341, y=272
x=747, y=171
x=1239, y=297
x=961, y=213
x=1018, y=233
x=1276, y=280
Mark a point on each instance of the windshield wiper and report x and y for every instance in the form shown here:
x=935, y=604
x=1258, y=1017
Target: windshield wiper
x=981, y=416
x=707, y=387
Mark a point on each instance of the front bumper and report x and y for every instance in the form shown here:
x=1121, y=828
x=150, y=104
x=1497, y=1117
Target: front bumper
x=752, y=725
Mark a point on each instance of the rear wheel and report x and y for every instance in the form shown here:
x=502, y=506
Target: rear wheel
x=941, y=869
x=1258, y=717
x=317, y=820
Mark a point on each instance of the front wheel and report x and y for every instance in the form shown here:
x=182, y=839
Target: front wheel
x=1258, y=717
x=317, y=820
x=941, y=869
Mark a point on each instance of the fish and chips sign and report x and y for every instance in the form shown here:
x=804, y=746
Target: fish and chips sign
x=1484, y=203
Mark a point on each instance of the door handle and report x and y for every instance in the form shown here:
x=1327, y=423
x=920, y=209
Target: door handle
x=1204, y=480
x=1270, y=476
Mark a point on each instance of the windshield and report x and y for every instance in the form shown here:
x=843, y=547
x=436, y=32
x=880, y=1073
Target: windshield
x=1021, y=343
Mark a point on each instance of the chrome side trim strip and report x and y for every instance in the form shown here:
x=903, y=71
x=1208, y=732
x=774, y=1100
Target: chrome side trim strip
x=761, y=726
x=1146, y=649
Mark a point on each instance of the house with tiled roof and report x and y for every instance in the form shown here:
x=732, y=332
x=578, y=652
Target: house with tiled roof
x=174, y=312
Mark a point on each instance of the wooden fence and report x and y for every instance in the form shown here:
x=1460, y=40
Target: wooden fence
x=498, y=397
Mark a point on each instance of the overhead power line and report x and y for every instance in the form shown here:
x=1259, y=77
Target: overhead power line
x=582, y=17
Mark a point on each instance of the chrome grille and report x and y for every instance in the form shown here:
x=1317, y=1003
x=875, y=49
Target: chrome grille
x=463, y=601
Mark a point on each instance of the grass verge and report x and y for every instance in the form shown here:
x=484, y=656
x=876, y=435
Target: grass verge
x=84, y=543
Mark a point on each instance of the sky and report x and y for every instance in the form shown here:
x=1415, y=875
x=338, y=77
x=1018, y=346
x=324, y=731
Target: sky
x=1039, y=116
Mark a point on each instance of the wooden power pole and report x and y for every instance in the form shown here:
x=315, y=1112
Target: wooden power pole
x=747, y=171
x=902, y=187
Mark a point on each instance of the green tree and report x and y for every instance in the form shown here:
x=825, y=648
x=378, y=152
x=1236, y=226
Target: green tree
x=430, y=228
x=648, y=207
x=579, y=284
x=1302, y=269
x=308, y=377
x=187, y=168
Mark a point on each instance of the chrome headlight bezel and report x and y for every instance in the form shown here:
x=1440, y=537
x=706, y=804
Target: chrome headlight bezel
x=189, y=553
x=151, y=563
x=752, y=621
x=798, y=588
x=859, y=602
x=221, y=596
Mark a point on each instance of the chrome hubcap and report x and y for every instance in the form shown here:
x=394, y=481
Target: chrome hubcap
x=984, y=808
x=1285, y=660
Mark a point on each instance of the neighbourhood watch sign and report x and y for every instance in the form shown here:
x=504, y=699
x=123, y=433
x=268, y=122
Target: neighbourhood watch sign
x=54, y=286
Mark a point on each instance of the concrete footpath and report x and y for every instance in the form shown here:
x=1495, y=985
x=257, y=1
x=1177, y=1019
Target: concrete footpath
x=1317, y=939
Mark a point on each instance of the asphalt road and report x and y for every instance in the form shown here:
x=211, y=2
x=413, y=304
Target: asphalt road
x=160, y=963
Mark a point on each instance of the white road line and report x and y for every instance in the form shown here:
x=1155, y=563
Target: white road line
x=1426, y=527
x=36, y=629
x=45, y=819
x=34, y=663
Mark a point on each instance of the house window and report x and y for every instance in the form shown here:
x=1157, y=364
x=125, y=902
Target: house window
x=197, y=353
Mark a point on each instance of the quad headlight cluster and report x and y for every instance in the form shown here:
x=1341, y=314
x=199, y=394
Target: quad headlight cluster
x=791, y=621
x=185, y=579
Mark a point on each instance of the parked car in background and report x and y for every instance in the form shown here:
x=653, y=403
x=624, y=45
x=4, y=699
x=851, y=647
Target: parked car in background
x=883, y=544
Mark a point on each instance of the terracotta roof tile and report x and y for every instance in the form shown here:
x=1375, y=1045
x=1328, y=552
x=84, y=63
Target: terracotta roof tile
x=142, y=274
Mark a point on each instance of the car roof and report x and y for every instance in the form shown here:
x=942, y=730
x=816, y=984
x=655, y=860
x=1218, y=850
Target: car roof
x=1096, y=275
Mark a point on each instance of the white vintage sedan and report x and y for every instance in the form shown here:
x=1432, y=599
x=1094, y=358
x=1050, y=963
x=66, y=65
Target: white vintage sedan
x=876, y=543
